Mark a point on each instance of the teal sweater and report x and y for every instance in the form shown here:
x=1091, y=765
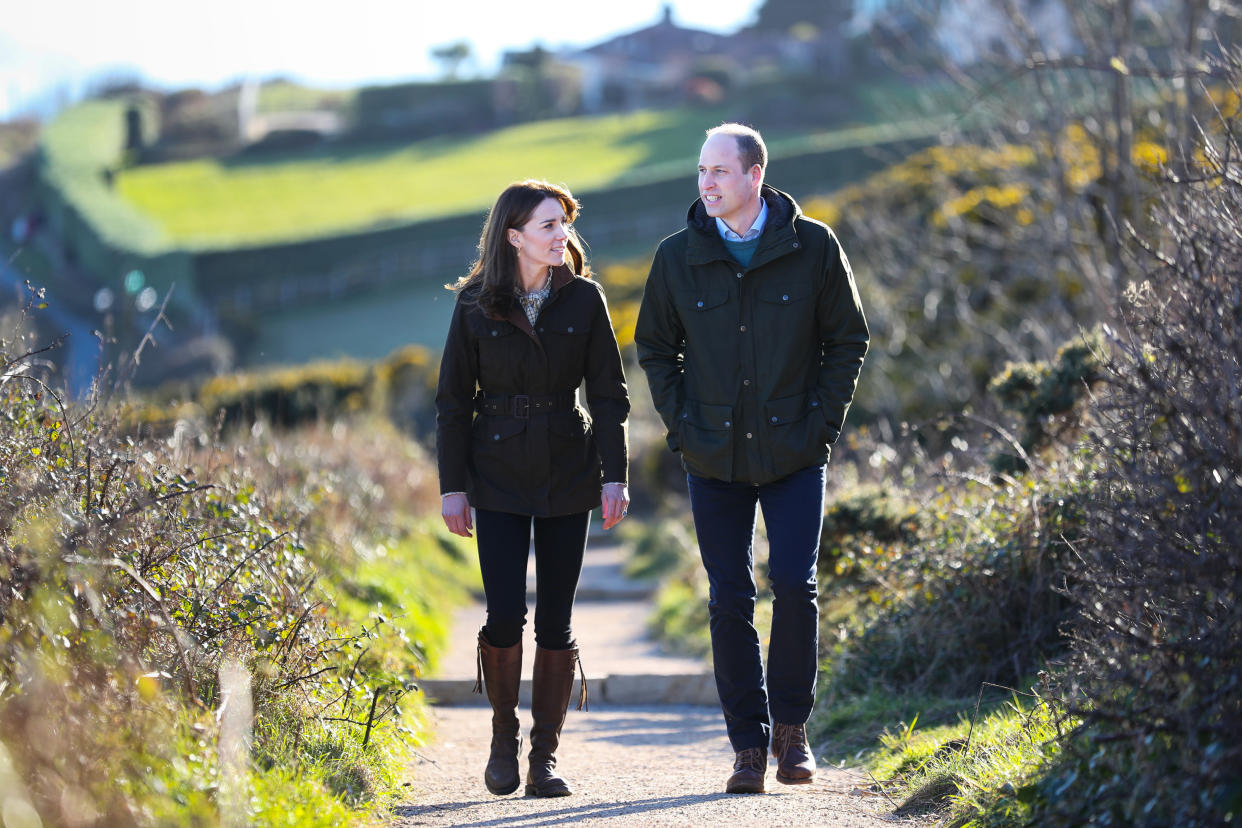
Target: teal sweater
x=742, y=252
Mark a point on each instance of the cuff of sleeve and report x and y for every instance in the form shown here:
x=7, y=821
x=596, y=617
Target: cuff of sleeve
x=446, y=494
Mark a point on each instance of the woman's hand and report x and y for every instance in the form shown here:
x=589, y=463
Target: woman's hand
x=455, y=509
x=616, y=498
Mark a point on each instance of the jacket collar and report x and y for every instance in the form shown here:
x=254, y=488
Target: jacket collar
x=561, y=276
x=705, y=244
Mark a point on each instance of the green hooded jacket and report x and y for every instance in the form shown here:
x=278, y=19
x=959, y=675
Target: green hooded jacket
x=752, y=369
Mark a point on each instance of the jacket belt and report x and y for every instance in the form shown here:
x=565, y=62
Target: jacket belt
x=523, y=406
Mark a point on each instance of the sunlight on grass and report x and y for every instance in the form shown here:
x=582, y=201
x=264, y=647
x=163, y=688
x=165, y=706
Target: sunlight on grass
x=215, y=202
x=981, y=774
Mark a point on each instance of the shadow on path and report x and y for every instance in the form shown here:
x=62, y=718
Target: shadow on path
x=564, y=816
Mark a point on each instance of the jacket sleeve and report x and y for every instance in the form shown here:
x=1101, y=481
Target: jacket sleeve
x=661, y=342
x=459, y=371
x=843, y=338
x=607, y=394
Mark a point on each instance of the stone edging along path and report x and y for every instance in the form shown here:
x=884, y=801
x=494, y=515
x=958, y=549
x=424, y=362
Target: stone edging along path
x=650, y=751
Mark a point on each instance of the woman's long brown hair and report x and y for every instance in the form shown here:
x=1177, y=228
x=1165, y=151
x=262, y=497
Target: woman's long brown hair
x=493, y=275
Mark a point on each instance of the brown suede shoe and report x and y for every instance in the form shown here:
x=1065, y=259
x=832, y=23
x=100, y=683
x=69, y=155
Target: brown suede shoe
x=794, y=763
x=749, y=768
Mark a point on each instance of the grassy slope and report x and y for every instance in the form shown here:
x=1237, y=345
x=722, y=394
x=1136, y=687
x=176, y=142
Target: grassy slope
x=223, y=202
x=77, y=148
x=218, y=202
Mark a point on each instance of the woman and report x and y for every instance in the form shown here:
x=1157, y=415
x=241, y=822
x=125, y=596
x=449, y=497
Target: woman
x=528, y=329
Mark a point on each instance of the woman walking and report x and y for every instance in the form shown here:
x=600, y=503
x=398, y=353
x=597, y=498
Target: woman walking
x=529, y=328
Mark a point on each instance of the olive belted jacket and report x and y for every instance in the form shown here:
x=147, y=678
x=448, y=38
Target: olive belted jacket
x=541, y=458
x=752, y=368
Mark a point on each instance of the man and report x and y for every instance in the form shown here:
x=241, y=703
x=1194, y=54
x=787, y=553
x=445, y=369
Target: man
x=752, y=336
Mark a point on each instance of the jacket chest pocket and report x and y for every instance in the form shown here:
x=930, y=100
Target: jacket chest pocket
x=787, y=296
x=785, y=311
x=499, y=347
x=490, y=330
x=691, y=302
x=566, y=342
x=706, y=314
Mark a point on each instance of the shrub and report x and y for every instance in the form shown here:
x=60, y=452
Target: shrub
x=1157, y=674
x=1048, y=396
x=134, y=571
x=966, y=595
x=862, y=519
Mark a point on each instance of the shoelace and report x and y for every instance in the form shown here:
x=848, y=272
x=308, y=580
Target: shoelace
x=750, y=757
x=787, y=737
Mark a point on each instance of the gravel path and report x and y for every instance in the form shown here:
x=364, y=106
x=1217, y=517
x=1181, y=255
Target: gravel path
x=662, y=765
x=629, y=761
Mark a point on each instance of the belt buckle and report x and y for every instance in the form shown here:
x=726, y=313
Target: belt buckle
x=521, y=406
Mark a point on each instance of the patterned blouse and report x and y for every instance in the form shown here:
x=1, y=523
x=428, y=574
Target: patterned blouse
x=532, y=302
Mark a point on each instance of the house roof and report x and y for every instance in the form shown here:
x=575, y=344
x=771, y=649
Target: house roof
x=655, y=42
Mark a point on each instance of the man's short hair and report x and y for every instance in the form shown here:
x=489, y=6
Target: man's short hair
x=750, y=146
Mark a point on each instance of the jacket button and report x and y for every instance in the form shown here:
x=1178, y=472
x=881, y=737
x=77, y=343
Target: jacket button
x=743, y=329
x=785, y=297
x=495, y=436
x=684, y=416
x=745, y=382
x=795, y=245
x=739, y=275
x=700, y=303
x=773, y=419
x=540, y=329
x=727, y=423
x=570, y=329
x=814, y=403
x=749, y=435
x=495, y=333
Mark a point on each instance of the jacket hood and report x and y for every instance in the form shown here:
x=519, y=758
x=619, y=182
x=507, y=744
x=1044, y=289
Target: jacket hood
x=782, y=210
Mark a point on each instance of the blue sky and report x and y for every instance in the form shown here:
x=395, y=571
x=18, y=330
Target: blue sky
x=50, y=45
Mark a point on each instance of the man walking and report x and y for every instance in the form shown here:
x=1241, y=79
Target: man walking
x=752, y=336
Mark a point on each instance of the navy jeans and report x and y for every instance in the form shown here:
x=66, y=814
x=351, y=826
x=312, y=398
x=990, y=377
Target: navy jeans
x=724, y=517
x=504, y=547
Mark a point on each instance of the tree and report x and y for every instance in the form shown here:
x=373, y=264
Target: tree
x=451, y=56
x=1005, y=241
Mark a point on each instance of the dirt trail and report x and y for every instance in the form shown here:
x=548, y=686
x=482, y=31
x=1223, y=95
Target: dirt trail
x=648, y=752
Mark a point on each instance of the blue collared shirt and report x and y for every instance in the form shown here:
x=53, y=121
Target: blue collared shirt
x=727, y=233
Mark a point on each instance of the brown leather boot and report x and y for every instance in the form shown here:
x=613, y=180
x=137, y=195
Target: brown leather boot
x=749, y=768
x=552, y=685
x=500, y=670
x=795, y=764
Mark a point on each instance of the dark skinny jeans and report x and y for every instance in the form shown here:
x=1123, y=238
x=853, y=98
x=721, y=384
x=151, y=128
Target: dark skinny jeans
x=504, y=547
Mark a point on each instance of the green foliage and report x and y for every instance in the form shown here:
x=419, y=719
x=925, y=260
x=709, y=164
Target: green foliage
x=1157, y=669
x=860, y=520
x=970, y=598
x=400, y=388
x=288, y=396
x=1045, y=394
x=974, y=772
x=132, y=570
x=665, y=546
x=680, y=618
